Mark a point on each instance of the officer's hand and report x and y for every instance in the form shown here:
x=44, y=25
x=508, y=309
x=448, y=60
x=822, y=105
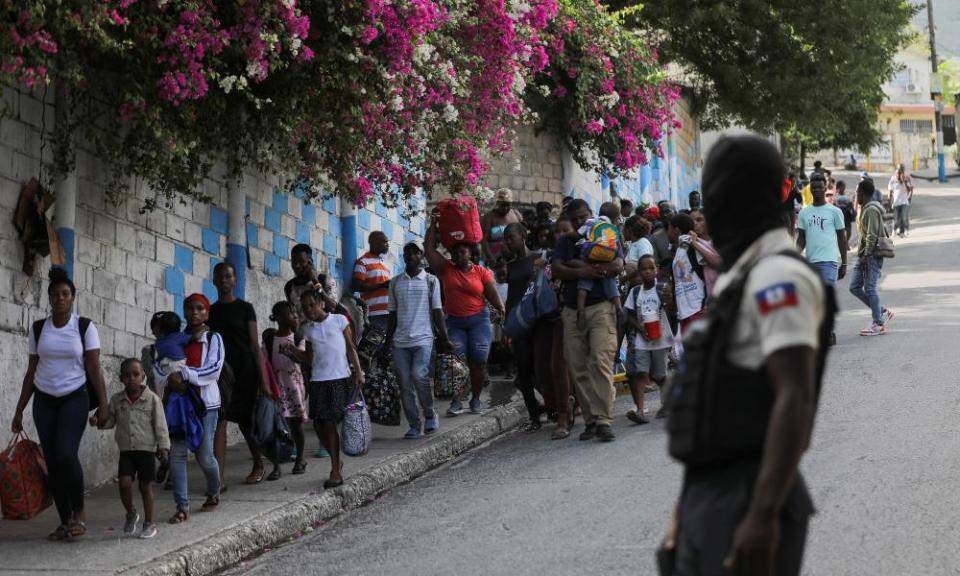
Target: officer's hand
x=754, y=545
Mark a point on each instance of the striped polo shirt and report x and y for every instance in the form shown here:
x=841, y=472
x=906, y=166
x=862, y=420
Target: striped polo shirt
x=412, y=298
x=371, y=269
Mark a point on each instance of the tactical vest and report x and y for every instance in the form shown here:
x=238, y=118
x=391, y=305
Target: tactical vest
x=718, y=412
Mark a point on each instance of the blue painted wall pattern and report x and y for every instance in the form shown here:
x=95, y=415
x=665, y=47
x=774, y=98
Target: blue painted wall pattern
x=273, y=229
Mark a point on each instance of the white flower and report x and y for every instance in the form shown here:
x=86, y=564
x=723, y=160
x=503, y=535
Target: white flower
x=423, y=53
x=609, y=100
x=396, y=103
x=519, y=83
x=254, y=69
x=450, y=113
x=544, y=89
x=226, y=84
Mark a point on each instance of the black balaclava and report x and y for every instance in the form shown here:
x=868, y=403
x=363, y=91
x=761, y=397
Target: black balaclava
x=742, y=181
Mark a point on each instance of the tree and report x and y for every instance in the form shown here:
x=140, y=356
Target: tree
x=812, y=69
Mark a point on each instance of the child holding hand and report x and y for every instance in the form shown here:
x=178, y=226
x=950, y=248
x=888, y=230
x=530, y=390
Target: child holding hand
x=142, y=436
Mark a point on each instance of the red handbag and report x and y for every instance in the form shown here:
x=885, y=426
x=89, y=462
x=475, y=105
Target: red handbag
x=23, y=479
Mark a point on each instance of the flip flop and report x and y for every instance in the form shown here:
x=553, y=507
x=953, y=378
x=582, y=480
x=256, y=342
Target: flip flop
x=76, y=529
x=61, y=533
x=255, y=477
x=560, y=433
x=179, y=518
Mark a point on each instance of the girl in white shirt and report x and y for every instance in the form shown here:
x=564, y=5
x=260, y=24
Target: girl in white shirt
x=334, y=374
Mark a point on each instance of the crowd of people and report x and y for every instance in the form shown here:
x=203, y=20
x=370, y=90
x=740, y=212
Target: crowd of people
x=629, y=278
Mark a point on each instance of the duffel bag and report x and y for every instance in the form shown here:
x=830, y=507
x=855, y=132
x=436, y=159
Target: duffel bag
x=23, y=479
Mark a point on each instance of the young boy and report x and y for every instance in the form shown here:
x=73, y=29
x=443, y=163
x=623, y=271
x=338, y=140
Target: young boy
x=647, y=354
x=137, y=414
x=600, y=242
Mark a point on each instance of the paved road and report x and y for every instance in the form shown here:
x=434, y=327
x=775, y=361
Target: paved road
x=883, y=467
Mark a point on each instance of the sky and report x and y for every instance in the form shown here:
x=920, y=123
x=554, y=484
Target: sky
x=946, y=15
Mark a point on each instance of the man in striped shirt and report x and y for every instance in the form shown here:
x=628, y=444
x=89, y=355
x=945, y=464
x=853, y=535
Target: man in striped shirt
x=371, y=278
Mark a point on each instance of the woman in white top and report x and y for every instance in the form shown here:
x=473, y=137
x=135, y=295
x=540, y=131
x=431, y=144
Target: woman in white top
x=64, y=357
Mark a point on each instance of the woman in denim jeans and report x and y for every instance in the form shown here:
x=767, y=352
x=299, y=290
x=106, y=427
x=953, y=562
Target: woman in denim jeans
x=467, y=287
x=204, y=362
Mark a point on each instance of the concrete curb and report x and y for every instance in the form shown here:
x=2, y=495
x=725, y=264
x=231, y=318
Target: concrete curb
x=291, y=519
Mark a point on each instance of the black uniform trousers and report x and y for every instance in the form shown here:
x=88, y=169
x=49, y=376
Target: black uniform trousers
x=713, y=504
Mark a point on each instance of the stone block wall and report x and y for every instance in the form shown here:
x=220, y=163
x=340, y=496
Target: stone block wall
x=671, y=177
x=128, y=265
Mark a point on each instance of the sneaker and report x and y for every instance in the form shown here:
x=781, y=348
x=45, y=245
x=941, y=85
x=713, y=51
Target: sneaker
x=605, y=434
x=455, y=409
x=322, y=453
x=589, y=433
x=149, y=531
x=886, y=316
x=130, y=524
x=431, y=425
x=412, y=434
x=476, y=406
x=874, y=330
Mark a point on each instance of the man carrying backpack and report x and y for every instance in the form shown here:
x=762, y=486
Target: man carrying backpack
x=742, y=405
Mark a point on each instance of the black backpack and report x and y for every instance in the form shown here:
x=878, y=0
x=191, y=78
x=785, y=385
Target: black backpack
x=718, y=412
x=84, y=324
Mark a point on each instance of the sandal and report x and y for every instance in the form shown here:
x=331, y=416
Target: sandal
x=76, y=528
x=180, y=517
x=255, y=477
x=328, y=484
x=274, y=474
x=210, y=504
x=61, y=533
x=299, y=467
x=560, y=433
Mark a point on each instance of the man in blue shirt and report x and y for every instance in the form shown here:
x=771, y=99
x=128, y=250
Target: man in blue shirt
x=822, y=233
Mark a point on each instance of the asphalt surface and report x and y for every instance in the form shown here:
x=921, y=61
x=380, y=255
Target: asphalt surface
x=883, y=468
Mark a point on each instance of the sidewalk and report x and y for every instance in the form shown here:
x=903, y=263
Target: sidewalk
x=249, y=519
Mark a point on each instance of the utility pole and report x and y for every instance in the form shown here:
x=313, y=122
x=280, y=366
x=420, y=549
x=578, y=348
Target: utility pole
x=937, y=95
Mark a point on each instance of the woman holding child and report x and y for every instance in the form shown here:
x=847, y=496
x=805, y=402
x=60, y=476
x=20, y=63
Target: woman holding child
x=204, y=361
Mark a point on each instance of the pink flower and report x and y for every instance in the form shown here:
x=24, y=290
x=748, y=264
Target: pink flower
x=559, y=91
x=369, y=34
x=595, y=126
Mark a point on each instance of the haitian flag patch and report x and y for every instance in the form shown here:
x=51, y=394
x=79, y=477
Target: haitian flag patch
x=778, y=296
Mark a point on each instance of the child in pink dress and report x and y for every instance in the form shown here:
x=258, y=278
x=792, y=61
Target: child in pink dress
x=277, y=346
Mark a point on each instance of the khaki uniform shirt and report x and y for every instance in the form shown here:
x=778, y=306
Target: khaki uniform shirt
x=782, y=303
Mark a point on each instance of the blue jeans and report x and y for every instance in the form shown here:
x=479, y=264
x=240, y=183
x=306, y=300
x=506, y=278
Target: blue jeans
x=901, y=218
x=828, y=271
x=863, y=284
x=471, y=335
x=205, y=458
x=413, y=372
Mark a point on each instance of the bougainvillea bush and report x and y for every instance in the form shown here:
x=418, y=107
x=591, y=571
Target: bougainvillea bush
x=349, y=97
x=354, y=98
x=604, y=92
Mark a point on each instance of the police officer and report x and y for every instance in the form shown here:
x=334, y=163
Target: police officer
x=742, y=408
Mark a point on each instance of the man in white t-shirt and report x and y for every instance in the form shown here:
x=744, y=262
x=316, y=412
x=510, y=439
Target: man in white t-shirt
x=900, y=191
